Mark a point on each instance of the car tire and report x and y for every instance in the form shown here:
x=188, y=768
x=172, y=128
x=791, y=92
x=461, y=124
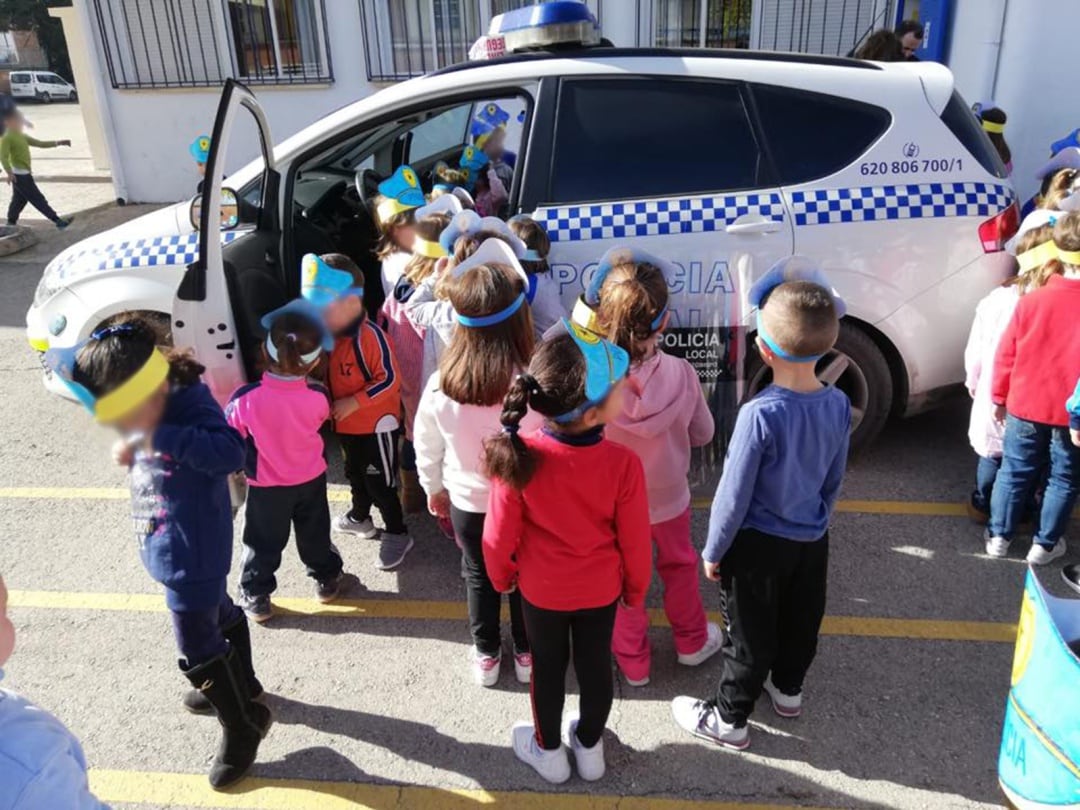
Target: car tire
x=858, y=368
x=73, y=96
x=47, y=97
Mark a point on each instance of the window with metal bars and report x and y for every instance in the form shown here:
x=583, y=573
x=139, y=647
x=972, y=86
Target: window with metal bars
x=406, y=38
x=698, y=23
x=200, y=43
x=827, y=27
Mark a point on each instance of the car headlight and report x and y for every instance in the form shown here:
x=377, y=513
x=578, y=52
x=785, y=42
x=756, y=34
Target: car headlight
x=49, y=286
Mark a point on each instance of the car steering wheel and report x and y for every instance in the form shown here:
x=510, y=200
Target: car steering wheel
x=367, y=185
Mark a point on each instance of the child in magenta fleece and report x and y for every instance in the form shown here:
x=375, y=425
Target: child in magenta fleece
x=663, y=417
x=279, y=417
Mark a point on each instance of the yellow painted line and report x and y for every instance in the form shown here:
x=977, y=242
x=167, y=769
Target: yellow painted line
x=341, y=495
x=190, y=790
x=859, y=626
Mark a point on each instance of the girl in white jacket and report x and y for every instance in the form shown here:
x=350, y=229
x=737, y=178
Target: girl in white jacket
x=460, y=408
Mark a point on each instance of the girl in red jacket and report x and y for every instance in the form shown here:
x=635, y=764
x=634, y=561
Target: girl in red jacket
x=568, y=525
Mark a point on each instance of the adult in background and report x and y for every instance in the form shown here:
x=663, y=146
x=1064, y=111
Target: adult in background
x=910, y=33
x=881, y=46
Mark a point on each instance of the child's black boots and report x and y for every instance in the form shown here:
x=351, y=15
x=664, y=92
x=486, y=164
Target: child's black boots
x=239, y=638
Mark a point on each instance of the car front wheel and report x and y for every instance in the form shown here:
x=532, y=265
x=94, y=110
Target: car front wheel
x=858, y=368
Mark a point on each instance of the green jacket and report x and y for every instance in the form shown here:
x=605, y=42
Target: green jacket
x=15, y=150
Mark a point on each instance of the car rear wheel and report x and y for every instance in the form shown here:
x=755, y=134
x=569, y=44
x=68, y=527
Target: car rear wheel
x=858, y=368
x=72, y=96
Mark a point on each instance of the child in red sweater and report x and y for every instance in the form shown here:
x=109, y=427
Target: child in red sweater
x=567, y=524
x=1035, y=369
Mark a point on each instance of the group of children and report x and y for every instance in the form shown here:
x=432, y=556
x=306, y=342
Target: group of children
x=554, y=451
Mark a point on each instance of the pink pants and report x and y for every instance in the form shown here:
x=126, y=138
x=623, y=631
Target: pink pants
x=677, y=564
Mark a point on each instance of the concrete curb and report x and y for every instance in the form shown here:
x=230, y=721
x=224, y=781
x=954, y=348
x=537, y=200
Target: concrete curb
x=16, y=238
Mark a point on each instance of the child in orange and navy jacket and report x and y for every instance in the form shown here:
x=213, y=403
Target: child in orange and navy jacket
x=366, y=393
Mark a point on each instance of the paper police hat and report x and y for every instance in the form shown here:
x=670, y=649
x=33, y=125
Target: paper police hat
x=322, y=284
x=200, y=149
x=492, y=252
x=402, y=192
x=305, y=309
x=469, y=223
x=446, y=204
x=605, y=365
x=451, y=177
x=473, y=158
x=492, y=114
x=1072, y=139
x=123, y=399
x=1067, y=158
x=466, y=199
x=793, y=268
x=1036, y=219
x=625, y=255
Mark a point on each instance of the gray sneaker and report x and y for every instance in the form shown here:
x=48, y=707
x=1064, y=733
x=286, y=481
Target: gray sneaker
x=361, y=528
x=392, y=550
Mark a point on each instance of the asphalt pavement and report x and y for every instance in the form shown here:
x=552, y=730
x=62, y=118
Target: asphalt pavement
x=372, y=697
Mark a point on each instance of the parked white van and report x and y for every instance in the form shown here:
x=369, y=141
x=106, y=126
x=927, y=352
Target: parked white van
x=41, y=85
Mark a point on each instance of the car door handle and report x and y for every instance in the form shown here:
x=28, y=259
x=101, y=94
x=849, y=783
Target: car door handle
x=754, y=223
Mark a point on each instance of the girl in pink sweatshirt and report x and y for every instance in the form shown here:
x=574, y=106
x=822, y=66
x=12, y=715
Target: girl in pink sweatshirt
x=663, y=417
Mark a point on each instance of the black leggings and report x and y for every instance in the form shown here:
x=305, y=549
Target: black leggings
x=550, y=634
x=485, y=603
x=24, y=190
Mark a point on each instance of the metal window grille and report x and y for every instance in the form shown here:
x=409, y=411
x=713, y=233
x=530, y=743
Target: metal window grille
x=698, y=23
x=200, y=43
x=406, y=38
x=827, y=27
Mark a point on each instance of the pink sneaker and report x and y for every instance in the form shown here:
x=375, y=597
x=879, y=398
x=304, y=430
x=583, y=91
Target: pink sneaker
x=447, y=528
x=485, y=668
x=523, y=667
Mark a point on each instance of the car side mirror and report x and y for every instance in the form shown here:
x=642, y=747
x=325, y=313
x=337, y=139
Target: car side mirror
x=229, y=215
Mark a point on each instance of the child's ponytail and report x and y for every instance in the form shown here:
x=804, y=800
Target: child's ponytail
x=1059, y=187
x=506, y=456
x=633, y=301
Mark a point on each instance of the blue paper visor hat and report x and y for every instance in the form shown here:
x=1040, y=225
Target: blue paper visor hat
x=470, y=223
x=200, y=149
x=321, y=284
x=793, y=268
x=626, y=255
x=493, y=252
x=605, y=367
x=306, y=310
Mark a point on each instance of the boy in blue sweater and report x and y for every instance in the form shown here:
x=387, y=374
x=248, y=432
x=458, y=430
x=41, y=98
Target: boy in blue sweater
x=768, y=541
x=180, y=451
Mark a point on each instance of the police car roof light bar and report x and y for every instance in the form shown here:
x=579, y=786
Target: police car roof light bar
x=546, y=25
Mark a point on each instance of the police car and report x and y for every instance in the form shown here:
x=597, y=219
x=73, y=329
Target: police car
x=723, y=161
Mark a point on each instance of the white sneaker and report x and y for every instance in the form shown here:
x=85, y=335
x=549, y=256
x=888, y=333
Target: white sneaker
x=361, y=528
x=554, y=766
x=485, y=668
x=639, y=682
x=1041, y=555
x=523, y=667
x=703, y=720
x=996, y=546
x=589, y=761
x=784, y=705
x=711, y=647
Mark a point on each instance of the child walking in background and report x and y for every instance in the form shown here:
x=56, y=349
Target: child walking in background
x=543, y=292
x=1036, y=256
x=768, y=541
x=399, y=197
x=568, y=526
x=1035, y=369
x=280, y=417
x=366, y=408
x=664, y=415
x=460, y=408
x=180, y=450
x=993, y=120
x=15, y=158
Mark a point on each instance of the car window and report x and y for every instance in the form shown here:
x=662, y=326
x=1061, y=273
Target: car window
x=962, y=122
x=439, y=133
x=631, y=138
x=813, y=135
x=20, y=78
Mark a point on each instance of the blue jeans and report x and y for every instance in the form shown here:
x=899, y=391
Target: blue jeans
x=985, y=475
x=1028, y=448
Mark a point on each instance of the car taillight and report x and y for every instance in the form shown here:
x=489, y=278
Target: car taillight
x=999, y=229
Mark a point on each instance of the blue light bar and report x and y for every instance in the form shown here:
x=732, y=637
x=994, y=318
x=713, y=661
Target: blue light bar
x=557, y=12
x=555, y=23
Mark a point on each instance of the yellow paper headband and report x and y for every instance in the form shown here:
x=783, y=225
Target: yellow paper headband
x=390, y=208
x=584, y=316
x=135, y=391
x=1069, y=256
x=1037, y=256
x=425, y=247
x=996, y=129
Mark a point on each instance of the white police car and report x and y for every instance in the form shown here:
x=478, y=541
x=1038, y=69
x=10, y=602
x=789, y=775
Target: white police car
x=722, y=161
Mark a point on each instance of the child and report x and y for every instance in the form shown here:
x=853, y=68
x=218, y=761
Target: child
x=280, y=417
x=399, y=196
x=567, y=525
x=366, y=392
x=406, y=339
x=15, y=158
x=993, y=120
x=1036, y=256
x=770, y=518
x=179, y=448
x=1036, y=365
x=543, y=293
x=664, y=415
x=41, y=762
x=460, y=408
x=199, y=149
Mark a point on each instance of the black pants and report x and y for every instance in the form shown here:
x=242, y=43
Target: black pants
x=772, y=594
x=269, y=513
x=24, y=190
x=550, y=634
x=200, y=633
x=485, y=603
x=371, y=465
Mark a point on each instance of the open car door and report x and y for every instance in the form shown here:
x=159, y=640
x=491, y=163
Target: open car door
x=203, y=310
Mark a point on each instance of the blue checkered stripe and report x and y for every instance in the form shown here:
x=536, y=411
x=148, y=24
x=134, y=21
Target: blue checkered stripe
x=654, y=217
x=162, y=250
x=875, y=203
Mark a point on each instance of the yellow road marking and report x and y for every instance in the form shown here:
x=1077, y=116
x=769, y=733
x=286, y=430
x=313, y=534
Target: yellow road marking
x=861, y=626
x=190, y=790
x=341, y=495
